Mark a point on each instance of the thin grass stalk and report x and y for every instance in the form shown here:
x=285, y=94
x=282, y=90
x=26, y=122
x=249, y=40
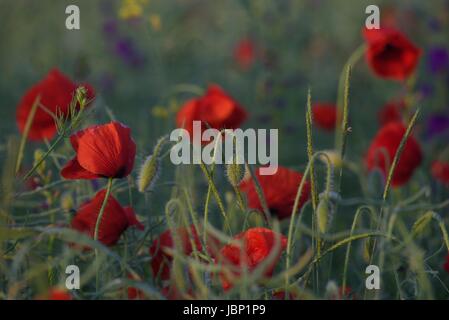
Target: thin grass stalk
x=97, y=227
x=348, y=249
x=26, y=131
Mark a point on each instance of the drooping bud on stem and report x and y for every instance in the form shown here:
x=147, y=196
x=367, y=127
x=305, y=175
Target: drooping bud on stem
x=151, y=167
x=323, y=213
x=235, y=173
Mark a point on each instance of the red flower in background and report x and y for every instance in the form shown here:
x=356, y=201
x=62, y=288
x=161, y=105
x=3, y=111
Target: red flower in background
x=390, y=54
x=245, y=53
x=56, y=294
x=104, y=151
x=440, y=171
x=325, y=115
x=215, y=107
x=383, y=149
x=55, y=92
x=115, y=220
x=279, y=190
x=446, y=264
x=162, y=259
x=391, y=112
x=257, y=244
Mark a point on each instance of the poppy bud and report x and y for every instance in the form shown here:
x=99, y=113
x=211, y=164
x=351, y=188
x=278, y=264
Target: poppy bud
x=150, y=170
x=235, y=173
x=81, y=96
x=334, y=158
x=323, y=213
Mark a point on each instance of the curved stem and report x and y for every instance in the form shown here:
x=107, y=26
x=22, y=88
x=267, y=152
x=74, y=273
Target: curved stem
x=97, y=226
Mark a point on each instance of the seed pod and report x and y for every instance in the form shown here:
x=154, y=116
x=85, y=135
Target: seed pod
x=323, y=213
x=151, y=167
x=235, y=173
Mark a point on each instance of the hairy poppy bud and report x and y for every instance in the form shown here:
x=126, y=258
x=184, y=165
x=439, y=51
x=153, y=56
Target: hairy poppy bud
x=235, y=173
x=323, y=213
x=150, y=170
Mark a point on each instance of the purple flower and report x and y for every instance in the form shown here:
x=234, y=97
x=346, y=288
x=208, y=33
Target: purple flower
x=426, y=90
x=438, y=59
x=437, y=124
x=110, y=28
x=128, y=52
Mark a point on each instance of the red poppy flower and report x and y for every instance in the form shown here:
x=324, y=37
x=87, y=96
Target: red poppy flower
x=115, y=220
x=390, y=54
x=282, y=295
x=343, y=295
x=135, y=294
x=446, y=264
x=245, y=54
x=215, y=107
x=56, y=294
x=279, y=190
x=162, y=259
x=440, y=171
x=55, y=91
x=257, y=244
x=383, y=149
x=325, y=115
x=391, y=112
x=105, y=151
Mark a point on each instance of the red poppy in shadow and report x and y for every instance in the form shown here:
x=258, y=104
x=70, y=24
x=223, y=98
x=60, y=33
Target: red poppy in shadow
x=440, y=171
x=55, y=294
x=383, y=149
x=55, y=93
x=215, y=109
x=279, y=190
x=256, y=246
x=162, y=259
x=325, y=115
x=390, y=54
x=391, y=112
x=115, y=220
x=245, y=54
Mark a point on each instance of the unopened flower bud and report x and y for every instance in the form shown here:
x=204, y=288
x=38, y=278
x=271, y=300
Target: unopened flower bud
x=150, y=170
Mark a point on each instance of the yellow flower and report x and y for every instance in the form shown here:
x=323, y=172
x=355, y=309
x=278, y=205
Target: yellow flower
x=130, y=9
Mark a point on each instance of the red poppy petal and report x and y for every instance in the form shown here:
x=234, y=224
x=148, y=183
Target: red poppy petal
x=107, y=150
x=73, y=170
x=132, y=219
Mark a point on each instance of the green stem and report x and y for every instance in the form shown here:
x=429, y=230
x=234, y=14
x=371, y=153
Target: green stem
x=97, y=226
x=26, y=131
